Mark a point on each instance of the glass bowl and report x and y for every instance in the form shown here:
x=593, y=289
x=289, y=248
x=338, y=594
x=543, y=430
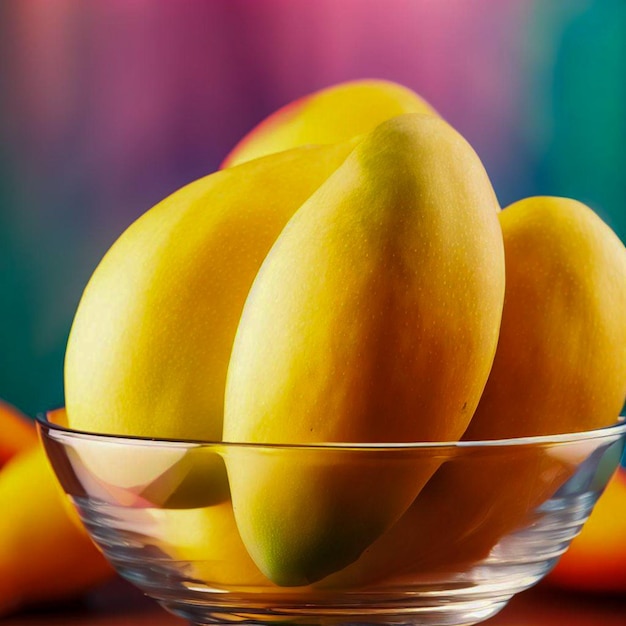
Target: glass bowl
x=424, y=533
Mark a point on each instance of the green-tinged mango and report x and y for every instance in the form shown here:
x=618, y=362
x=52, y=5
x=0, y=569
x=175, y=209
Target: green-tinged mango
x=207, y=538
x=374, y=318
x=151, y=340
x=330, y=115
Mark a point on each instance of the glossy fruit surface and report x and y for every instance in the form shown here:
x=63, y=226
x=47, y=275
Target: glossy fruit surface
x=374, y=318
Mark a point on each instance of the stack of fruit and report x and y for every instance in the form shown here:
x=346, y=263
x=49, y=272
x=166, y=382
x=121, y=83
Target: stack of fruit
x=348, y=276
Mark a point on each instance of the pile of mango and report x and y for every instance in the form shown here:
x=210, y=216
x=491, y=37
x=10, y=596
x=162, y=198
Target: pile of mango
x=347, y=276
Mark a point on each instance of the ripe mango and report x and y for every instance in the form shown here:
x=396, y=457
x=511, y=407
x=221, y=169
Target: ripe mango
x=151, y=339
x=561, y=359
x=374, y=318
x=45, y=553
x=330, y=115
x=30, y=570
x=560, y=366
x=450, y=526
x=208, y=539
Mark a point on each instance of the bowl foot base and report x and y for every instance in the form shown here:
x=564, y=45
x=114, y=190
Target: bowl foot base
x=454, y=614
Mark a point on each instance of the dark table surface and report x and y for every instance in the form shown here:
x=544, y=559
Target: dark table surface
x=120, y=605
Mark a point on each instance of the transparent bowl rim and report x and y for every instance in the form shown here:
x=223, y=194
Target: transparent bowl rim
x=616, y=431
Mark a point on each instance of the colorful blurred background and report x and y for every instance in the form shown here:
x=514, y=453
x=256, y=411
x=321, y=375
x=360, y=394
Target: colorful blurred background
x=109, y=105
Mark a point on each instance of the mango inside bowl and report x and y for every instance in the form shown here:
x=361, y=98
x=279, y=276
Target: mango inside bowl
x=410, y=533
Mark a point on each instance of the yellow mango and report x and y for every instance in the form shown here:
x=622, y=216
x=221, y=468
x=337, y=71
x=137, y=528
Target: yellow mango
x=374, y=318
x=330, y=115
x=208, y=539
x=149, y=347
x=457, y=517
x=560, y=366
x=561, y=359
x=45, y=552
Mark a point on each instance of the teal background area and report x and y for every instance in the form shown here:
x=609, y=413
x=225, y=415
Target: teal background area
x=109, y=105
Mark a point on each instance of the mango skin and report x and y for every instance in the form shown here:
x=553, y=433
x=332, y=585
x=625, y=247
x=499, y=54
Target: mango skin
x=561, y=359
x=150, y=343
x=446, y=532
x=374, y=318
x=30, y=570
x=330, y=115
x=304, y=513
x=45, y=553
x=560, y=367
x=207, y=537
